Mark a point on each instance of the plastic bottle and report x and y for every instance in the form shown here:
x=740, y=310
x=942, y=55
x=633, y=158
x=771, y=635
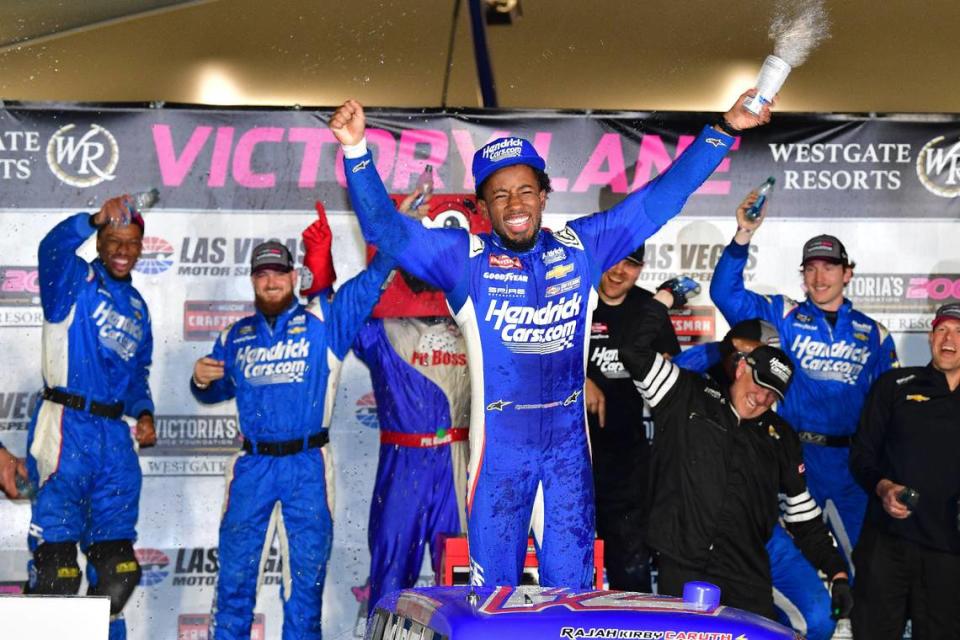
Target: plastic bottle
x=763, y=194
x=25, y=488
x=139, y=202
x=425, y=185
x=772, y=75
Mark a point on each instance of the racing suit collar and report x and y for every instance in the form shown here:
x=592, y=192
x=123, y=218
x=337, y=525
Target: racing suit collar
x=497, y=241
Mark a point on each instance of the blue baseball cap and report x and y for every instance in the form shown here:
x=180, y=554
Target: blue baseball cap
x=504, y=152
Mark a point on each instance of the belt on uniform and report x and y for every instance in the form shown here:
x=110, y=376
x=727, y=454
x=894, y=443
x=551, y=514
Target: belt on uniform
x=423, y=440
x=810, y=437
x=78, y=402
x=285, y=447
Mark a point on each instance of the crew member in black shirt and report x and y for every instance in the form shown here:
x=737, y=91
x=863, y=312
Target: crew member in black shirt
x=723, y=461
x=620, y=426
x=906, y=455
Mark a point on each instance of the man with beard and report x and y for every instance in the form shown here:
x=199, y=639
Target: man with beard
x=97, y=346
x=522, y=297
x=282, y=365
x=619, y=439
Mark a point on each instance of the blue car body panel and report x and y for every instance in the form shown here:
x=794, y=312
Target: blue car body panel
x=527, y=612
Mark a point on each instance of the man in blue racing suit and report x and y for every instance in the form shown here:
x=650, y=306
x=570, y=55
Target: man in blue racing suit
x=799, y=595
x=838, y=352
x=282, y=365
x=97, y=347
x=523, y=298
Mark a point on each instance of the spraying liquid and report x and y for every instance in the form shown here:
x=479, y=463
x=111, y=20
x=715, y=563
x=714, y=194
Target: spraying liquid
x=797, y=29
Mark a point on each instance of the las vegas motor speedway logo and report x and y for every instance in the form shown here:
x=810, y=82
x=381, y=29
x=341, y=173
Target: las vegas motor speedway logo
x=156, y=256
x=83, y=159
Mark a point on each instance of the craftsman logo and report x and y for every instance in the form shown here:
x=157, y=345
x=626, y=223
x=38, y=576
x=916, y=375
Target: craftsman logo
x=281, y=363
x=83, y=159
x=694, y=324
x=204, y=319
x=536, y=330
x=504, y=262
x=507, y=148
x=938, y=167
x=156, y=256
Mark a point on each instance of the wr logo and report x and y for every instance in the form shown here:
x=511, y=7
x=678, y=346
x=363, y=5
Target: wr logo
x=83, y=160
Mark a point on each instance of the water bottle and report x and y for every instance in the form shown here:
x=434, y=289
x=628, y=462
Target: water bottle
x=25, y=488
x=138, y=203
x=763, y=194
x=425, y=185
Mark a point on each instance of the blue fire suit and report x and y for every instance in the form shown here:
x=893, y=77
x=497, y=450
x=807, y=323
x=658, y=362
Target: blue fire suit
x=799, y=595
x=97, y=346
x=284, y=378
x=422, y=386
x=524, y=316
x=835, y=367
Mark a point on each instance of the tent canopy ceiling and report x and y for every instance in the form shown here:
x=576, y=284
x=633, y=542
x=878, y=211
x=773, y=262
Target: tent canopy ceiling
x=659, y=54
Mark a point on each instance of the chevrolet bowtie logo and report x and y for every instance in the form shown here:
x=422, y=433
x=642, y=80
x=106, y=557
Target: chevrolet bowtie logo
x=498, y=405
x=916, y=397
x=572, y=398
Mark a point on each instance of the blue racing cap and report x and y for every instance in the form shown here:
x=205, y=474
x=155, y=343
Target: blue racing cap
x=504, y=152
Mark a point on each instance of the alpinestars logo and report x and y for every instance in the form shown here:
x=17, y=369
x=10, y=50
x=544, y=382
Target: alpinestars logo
x=83, y=160
x=283, y=362
x=542, y=330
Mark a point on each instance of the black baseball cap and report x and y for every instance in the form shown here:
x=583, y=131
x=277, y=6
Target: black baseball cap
x=754, y=329
x=271, y=255
x=827, y=248
x=949, y=311
x=771, y=368
x=637, y=255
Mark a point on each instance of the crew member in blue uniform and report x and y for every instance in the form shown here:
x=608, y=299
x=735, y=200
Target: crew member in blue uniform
x=97, y=347
x=282, y=365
